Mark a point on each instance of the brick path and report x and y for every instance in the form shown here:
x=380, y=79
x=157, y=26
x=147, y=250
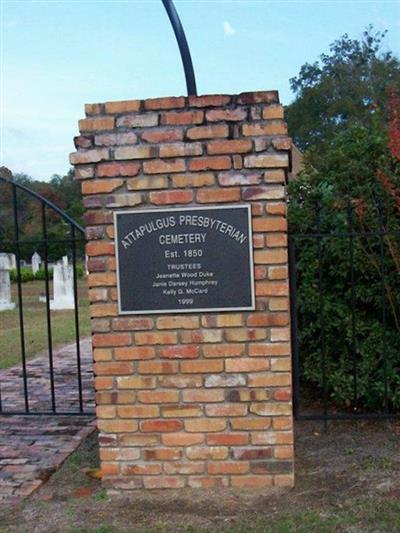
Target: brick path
x=33, y=447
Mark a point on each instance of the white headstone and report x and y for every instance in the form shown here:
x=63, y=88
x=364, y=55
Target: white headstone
x=36, y=260
x=13, y=260
x=5, y=262
x=5, y=291
x=65, y=260
x=63, y=291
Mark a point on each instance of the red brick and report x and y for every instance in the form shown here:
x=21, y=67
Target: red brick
x=223, y=350
x=100, y=186
x=230, y=115
x=226, y=409
x=266, y=160
x=205, y=196
x=272, y=127
x=163, y=167
x=276, y=240
x=282, y=144
x=200, y=366
x=177, y=322
x=158, y=367
x=172, y=102
x=228, y=468
x=158, y=396
x=252, y=481
x=268, y=319
x=268, y=257
x=257, y=97
x=89, y=156
x=271, y=288
x=93, y=109
x=125, y=106
x=263, y=192
x=163, y=482
x=138, y=411
x=210, y=163
x=111, y=339
x=135, y=352
x=136, y=382
x=96, y=124
x=112, y=139
x=200, y=179
x=213, y=100
x=103, y=309
x=156, y=338
x=182, y=439
x=100, y=248
x=141, y=151
x=101, y=279
x=206, y=425
x=228, y=439
x=270, y=224
x=180, y=411
x=138, y=121
x=132, y=323
x=180, y=352
x=246, y=365
x=236, y=146
x=141, y=469
x=232, y=178
x=160, y=426
x=163, y=135
x=183, y=117
x=208, y=132
x=162, y=454
x=180, y=149
x=171, y=197
x=187, y=467
x=203, y=395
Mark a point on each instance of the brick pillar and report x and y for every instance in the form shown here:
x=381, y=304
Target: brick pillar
x=199, y=399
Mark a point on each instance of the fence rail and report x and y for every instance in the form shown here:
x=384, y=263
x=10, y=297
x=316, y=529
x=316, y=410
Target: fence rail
x=344, y=288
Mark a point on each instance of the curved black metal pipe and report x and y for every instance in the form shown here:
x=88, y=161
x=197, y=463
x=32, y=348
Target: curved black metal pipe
x=183, y=47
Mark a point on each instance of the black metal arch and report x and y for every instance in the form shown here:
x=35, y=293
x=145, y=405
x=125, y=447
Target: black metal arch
x=183, y=47
x=44, y=200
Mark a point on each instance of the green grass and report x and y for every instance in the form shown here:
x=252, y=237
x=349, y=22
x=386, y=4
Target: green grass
x=35, y=323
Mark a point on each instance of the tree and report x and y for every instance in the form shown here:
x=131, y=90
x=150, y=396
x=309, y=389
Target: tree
x=343, y=88
x=354, y=188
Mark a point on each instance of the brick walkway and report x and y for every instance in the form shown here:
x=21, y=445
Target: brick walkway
x=33, y=447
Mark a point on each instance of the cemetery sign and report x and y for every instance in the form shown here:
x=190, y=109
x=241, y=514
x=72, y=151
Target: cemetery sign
x=182, y=260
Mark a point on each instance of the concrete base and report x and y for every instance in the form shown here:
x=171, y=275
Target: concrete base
x=7, y=306
x=65, y=303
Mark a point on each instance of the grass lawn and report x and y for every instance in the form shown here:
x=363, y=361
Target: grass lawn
x=35, y=323
x=348, y=480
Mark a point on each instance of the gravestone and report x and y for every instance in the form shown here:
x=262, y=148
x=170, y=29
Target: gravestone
x=63, y=291
x=35, y=262
x=5, y=283
x=7, y=261
x=185, y=212
x=13, y=260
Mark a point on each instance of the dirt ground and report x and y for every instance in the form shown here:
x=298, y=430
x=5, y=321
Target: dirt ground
x=348, y=479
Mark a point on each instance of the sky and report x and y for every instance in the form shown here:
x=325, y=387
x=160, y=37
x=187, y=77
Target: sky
x=57, y=55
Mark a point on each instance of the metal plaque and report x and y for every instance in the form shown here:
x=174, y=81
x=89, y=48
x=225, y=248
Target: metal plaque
x=182, y=260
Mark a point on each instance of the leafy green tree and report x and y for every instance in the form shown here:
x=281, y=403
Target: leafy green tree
x=342, y=89
x=354, y=190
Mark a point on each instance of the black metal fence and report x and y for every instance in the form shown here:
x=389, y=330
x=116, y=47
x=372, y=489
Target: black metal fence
x=48, y=243
x=344, y=264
